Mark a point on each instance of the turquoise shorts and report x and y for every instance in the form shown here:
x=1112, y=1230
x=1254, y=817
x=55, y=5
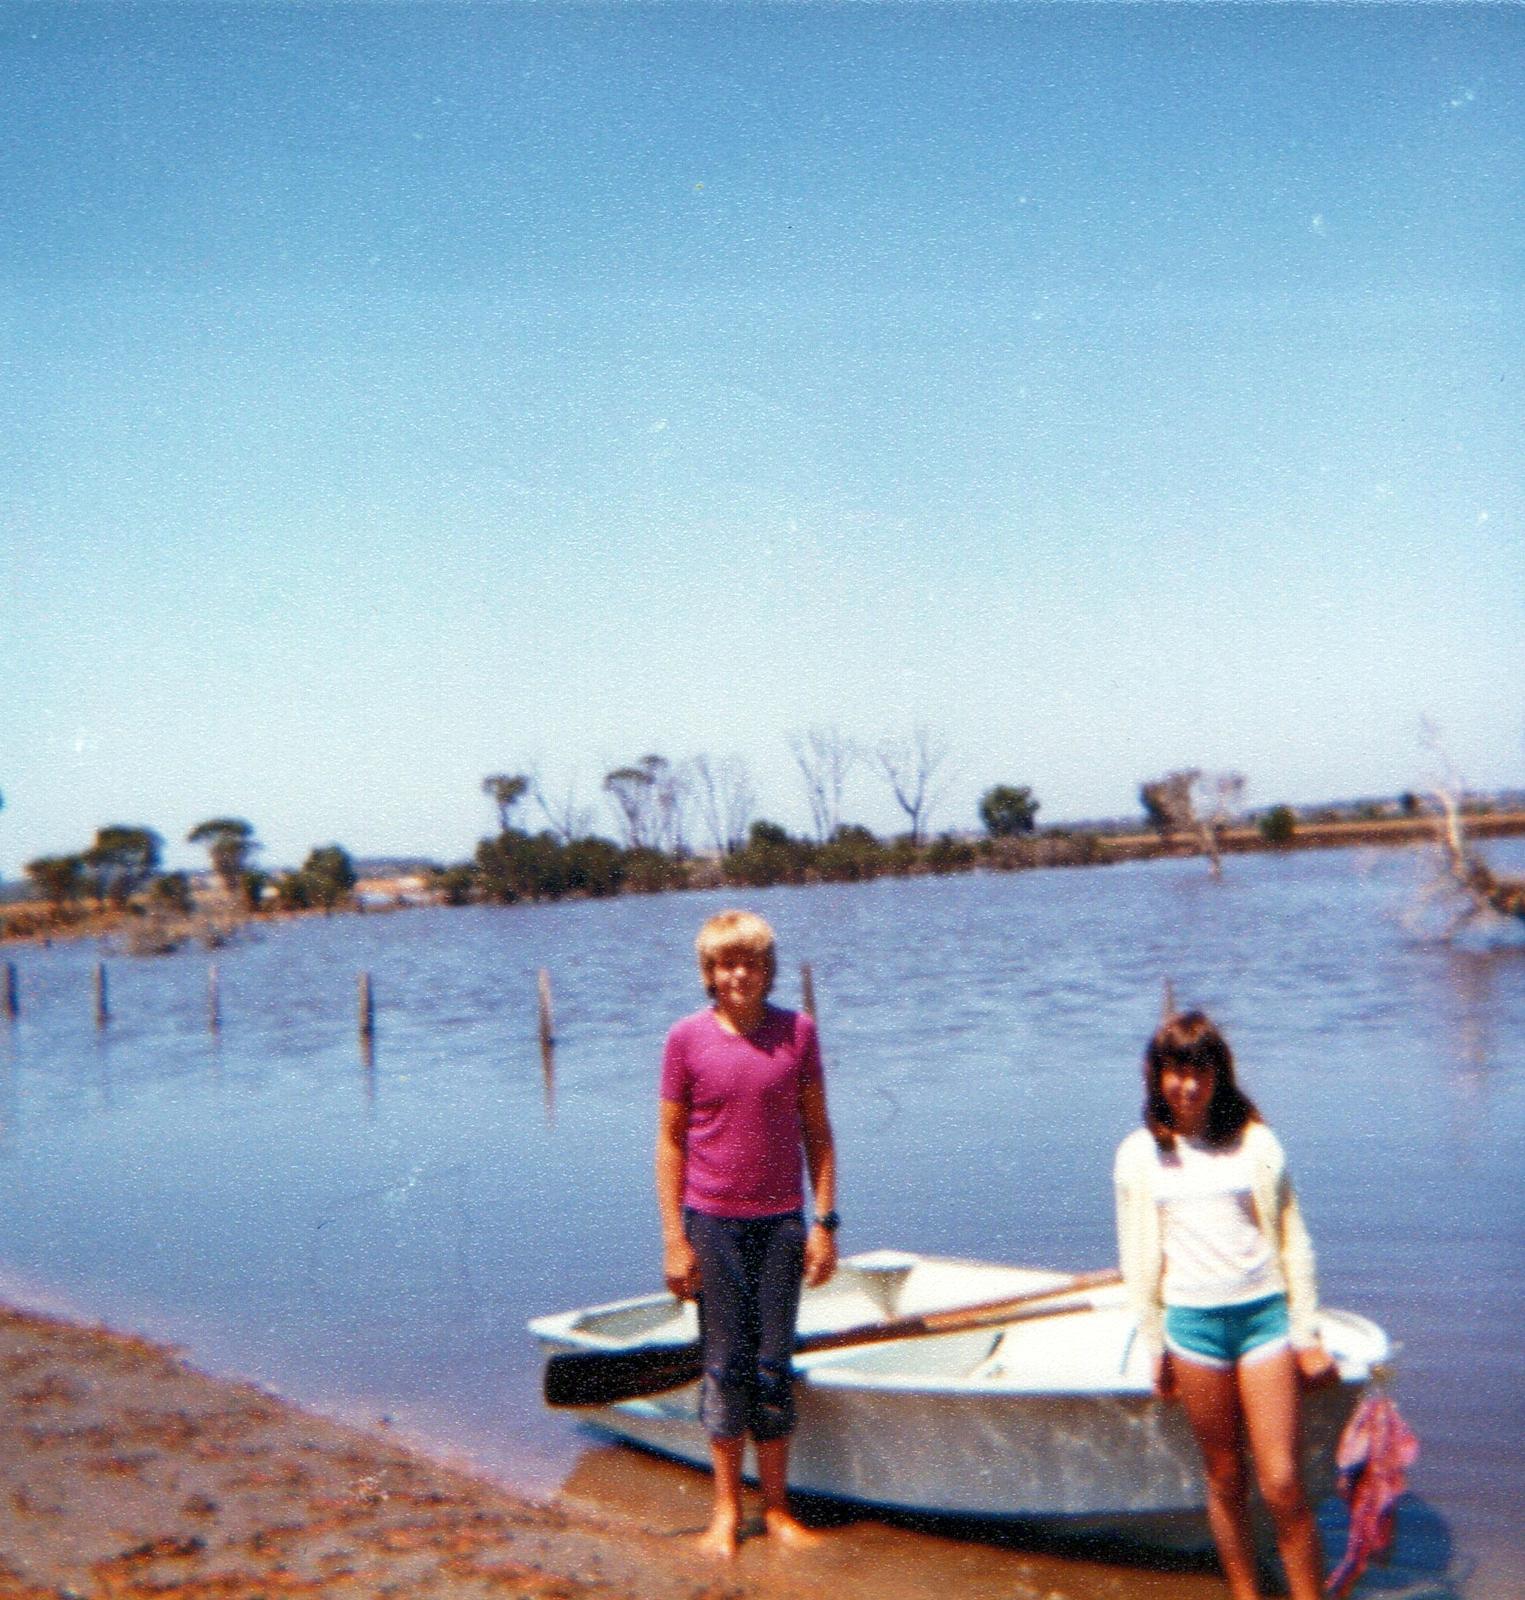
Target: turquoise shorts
x=1220, y=1336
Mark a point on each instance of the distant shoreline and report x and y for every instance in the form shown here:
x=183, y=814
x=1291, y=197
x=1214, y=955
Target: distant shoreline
x=28, y=922
x=1378, y=831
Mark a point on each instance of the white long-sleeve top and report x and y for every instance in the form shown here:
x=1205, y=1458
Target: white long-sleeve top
x=1140, y=1244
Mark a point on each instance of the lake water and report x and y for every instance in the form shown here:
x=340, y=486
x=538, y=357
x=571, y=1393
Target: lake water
x=371, y=1239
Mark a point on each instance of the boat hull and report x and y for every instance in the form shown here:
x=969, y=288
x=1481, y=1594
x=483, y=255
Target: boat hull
x=1051, y=1420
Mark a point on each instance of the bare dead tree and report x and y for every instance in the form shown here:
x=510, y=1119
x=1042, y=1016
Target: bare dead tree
x=1484, y=889
x=564, y=815
x=672, y=790
x=1222, y=794
x=630, y=789
x=726, y=799
x=825, y=757
x=911, y=766
x=1195, y=803
x=651, y=800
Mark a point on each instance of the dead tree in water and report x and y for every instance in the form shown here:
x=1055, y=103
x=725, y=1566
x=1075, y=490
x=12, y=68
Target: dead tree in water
x=1173, y=806
x=1485, y=888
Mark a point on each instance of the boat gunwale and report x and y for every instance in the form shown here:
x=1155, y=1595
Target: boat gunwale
x=836, y=1370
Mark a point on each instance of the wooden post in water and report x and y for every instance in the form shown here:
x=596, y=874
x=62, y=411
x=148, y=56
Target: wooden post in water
x=12, y=992
x=547, y=1019
x=367, y=1010
x=102, y=998
x=807, y=988
x=214, y=999
x=547, y=1045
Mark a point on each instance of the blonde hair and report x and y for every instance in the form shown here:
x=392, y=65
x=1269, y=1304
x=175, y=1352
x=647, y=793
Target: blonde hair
x=729, y=931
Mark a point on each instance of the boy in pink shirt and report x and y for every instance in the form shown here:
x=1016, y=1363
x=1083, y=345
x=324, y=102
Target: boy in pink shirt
x=743, y=1108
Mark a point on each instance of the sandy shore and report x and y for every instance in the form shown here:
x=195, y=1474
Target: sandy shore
x=125, y=1472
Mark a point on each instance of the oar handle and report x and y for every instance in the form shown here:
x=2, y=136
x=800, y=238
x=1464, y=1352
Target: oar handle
x=984, y=1314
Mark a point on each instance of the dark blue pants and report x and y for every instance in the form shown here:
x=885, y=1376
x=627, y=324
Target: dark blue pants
x=749, y=1296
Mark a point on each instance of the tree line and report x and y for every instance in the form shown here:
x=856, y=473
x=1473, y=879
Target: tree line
x=689, y=823
x=674, y=824
x=119, y=870
x=693, y=823
x=707, y=804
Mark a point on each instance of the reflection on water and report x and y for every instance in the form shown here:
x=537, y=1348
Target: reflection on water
x=369, y=1230
x=1471, y=979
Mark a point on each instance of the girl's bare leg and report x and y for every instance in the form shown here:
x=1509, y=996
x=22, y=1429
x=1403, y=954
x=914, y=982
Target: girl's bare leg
x=773, y=1480
x=723, y=1535
x=1272, y=1400
x=1211, y=1399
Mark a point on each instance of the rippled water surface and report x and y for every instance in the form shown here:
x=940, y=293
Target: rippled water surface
x=372, y=1237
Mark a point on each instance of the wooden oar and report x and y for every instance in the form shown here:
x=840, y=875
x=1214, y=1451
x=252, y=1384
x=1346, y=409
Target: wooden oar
x=604, y=1377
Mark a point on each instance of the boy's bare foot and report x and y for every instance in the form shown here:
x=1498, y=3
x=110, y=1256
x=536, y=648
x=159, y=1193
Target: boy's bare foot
x=721, y=1538
x=789, y=1531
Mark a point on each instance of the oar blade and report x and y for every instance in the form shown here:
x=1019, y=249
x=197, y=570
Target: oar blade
x=605, y=1377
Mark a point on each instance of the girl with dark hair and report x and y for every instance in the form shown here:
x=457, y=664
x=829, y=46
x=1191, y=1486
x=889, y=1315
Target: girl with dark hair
x=1220, y=1275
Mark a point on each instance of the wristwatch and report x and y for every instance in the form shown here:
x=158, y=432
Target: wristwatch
x=829, y=1220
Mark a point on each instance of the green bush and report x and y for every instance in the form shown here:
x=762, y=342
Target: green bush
x=519, y=866
x=594, y=867
x=1007, y=810
x=903, y=857
x=171, y=893
x=1278, y=825
x=948, y=853
x=456, y=885
x=770, y=857
x=122, y=860
x=648, y=871
x=331, y=874
x=57, y=879
x=296, y=891
x=851, y=855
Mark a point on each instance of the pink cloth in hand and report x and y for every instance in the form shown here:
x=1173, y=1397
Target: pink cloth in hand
x=1375, y=1452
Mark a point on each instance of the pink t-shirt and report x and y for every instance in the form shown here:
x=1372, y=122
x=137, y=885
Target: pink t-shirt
x=745, y=1137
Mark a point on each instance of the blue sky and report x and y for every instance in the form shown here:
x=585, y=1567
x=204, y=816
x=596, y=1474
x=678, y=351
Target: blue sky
x=396, y=394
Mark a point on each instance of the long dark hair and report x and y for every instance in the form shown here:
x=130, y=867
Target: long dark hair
x=1191, y=1039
